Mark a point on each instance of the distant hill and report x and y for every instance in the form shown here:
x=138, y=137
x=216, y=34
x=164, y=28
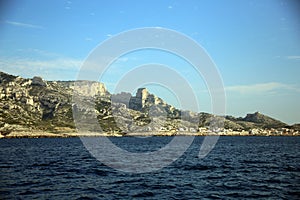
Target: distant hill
x=36, y=104
x=263, y=121
x=256, y=120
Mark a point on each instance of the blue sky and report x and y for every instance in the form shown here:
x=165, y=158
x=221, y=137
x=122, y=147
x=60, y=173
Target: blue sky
x=255, y=45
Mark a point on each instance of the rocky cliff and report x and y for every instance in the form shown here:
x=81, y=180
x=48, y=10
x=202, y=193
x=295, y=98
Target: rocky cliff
x=36, y=104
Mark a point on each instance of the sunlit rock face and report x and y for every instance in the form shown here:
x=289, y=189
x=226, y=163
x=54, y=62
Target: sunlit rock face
x=144, y=99
x=152, y=105
x=89, y=88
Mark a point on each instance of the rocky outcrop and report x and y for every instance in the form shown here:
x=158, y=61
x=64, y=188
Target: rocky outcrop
x=38, y=81
x=145, y=102
x=139, y=101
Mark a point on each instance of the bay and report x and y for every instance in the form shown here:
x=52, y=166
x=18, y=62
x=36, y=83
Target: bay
x=237, y=168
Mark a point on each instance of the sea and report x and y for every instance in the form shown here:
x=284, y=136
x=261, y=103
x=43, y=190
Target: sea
x=252, y=167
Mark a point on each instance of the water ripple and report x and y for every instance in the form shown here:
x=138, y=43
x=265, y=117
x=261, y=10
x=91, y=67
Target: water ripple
x=237, y=168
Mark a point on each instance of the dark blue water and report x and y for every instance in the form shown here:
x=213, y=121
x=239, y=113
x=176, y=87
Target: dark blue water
x=237, y=168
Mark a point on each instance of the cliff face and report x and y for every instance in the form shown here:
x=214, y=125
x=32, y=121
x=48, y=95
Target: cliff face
x=88, y=88
x=35, y=104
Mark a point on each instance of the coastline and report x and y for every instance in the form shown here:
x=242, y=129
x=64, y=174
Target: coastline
x=44, y=134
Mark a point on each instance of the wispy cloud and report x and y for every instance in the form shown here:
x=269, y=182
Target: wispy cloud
x=51, y=69
x=33, y=52
x=68, y=6
x=88, y=39
x=293, y=57
x=262, y=88
x=25, y=25
x=59, y=63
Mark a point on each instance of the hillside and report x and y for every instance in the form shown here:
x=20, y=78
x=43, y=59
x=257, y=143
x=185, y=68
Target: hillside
x=36, y=105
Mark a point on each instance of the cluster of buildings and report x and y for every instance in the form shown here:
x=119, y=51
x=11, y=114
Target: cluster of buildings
x=272, y=131
x=224, y=131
